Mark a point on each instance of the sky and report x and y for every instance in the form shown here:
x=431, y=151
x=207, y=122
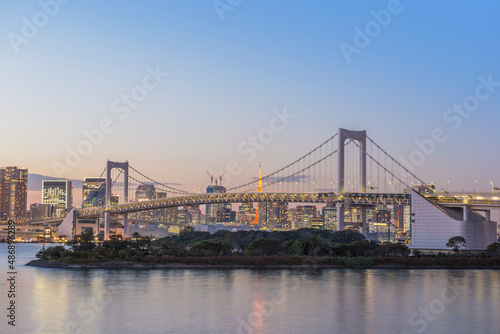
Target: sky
x=203, y=76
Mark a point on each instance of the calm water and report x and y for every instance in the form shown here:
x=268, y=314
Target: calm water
x=250, y=301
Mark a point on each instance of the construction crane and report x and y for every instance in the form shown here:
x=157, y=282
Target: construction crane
x=220, y=177
x=212, y=176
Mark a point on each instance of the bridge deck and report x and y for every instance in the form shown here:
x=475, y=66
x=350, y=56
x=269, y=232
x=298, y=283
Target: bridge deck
x=199, y=199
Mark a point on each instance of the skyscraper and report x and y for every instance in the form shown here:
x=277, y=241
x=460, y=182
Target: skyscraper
x=41, y=211
x=212, y=209
x=146, y=192
x=93, y=191
x=13, y=192
x=330, y=217
x=59, y=193
x=246, y=213
x=273, y=214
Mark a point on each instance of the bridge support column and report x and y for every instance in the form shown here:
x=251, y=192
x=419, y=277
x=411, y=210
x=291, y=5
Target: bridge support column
x=487, y=215
x=364, y=227
x=107, y=218
x=125, y=226
x=466, y=213
x=340, y=217
x=107, y=222
x=360, y=137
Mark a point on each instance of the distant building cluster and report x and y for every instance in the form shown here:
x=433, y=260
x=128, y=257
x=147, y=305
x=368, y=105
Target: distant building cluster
x=386, y=223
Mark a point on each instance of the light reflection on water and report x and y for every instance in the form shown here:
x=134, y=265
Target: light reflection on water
x=250, y=301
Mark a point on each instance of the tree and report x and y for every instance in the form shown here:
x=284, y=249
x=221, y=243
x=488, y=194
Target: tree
x=295, y=247
x=114, y=243
x=493, y=249
x=264, y=246
x=141, y=243
x=170, y=248
x=346, y=237
x=187, y=230
x=392, y=250
x=54, y=253
x=83, y=241
x=358, y=248
x=211, y=248
x=456, y=243
x=315, y=246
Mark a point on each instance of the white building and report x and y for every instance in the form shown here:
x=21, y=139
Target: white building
x=433, y=225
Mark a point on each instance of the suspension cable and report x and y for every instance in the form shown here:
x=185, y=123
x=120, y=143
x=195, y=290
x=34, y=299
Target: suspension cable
x=287, y=166
x=156, y=182
x=380, y=148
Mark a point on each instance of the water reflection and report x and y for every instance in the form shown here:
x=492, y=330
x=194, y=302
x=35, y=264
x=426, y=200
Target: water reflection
x=255, y=301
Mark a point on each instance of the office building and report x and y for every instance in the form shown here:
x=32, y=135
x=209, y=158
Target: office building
x=93, y=191
x=58, y=193
x=246, y=213
x=13, y=192
x=146, y=192
x=330, y=218
x=211, y=210
x=273, y=214
x=304, y=215
x=41, y=211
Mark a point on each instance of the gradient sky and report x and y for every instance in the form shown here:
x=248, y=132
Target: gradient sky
x=227, y=76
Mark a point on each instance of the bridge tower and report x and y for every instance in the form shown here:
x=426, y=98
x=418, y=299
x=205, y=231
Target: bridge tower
x=360, y=137
x=107, y=216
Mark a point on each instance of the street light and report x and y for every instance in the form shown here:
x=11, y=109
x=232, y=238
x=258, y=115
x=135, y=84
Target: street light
x=492, y=188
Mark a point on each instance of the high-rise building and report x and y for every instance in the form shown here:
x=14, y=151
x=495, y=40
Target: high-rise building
x=246, y=213
x=280, y=213
x=146, y=192
x=330, y=218
x=305, y=213
x=401, y=215
x=171, y=215
x=13, y=192
x=264, y=210
x=59, y=193
x=226, y=215
x=273, y=214
x=212, y=209
x=382, y=216
x=194, y=214
x=93, y=191
x=41, y=211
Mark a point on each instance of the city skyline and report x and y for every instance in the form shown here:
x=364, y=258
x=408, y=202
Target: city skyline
x=215, y=98
x=250, y=166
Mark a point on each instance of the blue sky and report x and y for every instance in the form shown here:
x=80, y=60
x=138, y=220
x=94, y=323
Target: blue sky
x=227, y=76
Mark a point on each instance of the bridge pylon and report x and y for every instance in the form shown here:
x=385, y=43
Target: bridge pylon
x=107, y=216
x=360, y=137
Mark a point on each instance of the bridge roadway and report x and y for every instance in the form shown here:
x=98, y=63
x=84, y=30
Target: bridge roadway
x=331, y=198
x=472, y=200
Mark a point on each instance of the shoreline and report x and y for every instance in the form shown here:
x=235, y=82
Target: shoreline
x=177, y=265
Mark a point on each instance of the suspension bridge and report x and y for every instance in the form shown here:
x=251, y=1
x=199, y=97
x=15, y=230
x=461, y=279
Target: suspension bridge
x=347, y=170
